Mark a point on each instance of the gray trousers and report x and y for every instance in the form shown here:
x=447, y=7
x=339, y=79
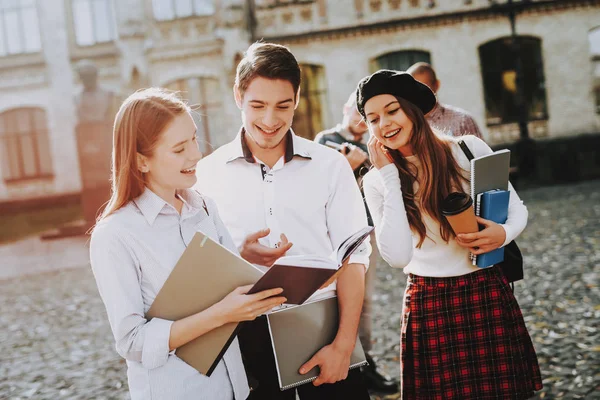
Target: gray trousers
x=366, y=323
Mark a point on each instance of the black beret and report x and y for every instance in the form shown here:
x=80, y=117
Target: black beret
x=397, y=83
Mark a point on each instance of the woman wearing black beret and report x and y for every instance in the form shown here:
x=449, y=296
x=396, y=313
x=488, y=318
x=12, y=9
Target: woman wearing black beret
x=463, y=334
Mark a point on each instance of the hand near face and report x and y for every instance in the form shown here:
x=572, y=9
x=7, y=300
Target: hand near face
x=378, y=154
x=254, y=252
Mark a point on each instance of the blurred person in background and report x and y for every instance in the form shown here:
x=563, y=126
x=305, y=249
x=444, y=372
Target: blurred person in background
x=350, y=137
x=448, y=119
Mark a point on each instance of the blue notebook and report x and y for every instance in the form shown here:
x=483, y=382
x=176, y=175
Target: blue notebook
x=492, y=205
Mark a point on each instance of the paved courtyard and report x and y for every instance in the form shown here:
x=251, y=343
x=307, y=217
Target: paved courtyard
x=55, y=342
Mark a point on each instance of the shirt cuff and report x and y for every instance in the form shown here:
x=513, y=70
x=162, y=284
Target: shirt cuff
x=359, y=259
x=389, y=171
x=156, y=343
x=509, y=235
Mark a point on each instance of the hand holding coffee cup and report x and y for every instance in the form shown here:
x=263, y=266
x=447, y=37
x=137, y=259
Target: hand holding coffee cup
x=457, y=207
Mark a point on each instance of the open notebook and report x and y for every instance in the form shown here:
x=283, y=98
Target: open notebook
x=298, y=333
x=301, y=276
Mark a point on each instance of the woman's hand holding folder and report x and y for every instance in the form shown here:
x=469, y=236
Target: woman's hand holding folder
x=238, y=306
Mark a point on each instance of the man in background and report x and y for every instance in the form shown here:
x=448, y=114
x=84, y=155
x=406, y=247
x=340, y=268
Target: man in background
x=350, y=138
x=451, y=120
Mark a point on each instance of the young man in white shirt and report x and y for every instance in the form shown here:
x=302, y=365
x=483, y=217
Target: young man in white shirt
x=275, y=199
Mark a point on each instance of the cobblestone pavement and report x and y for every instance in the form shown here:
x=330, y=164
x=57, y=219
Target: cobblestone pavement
x=55, y=342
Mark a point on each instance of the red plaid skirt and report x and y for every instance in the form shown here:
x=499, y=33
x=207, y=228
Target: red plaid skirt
x=464, y=338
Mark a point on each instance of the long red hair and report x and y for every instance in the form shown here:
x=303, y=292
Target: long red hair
x=141, y=120
x=441, y=174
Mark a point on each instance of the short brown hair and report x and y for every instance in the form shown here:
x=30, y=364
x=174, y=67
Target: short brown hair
x=423, y=68
x=267, y=60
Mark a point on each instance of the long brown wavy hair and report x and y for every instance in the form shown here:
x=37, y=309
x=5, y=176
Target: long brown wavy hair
x=139, y=124
x=441, y=174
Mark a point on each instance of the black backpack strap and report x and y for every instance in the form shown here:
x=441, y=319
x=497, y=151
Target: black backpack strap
x=466, y=150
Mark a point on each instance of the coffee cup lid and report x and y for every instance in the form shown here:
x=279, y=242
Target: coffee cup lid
x=455, y=203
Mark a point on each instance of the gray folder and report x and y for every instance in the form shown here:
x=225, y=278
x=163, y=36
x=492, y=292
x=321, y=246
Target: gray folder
x=205, y=274
x=299, y=332
x=489, y=172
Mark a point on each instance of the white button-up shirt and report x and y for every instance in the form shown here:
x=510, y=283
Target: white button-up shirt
x=132, y=253
x=310, y=195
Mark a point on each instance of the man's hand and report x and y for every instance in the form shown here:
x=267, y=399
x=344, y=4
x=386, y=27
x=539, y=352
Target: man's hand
x=355, y=155
x=254, y=252
x=333, y=361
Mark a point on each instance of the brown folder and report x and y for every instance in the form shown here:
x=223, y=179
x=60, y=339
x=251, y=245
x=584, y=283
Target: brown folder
x=205, y=274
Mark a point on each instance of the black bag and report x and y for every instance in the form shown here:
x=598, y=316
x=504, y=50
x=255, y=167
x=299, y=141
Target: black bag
x=512, y=266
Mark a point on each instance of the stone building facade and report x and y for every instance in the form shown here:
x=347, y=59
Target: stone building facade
x=194, y=45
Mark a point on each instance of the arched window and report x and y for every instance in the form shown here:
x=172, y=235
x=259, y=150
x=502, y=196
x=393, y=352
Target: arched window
x=310, y=116
x=19, y=28
x=24, y=144
x=594, y=39
x=399, y=60
x=499, y=79
x=204, y=96
x=93, y=21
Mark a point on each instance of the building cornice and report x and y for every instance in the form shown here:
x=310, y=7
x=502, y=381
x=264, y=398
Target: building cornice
x=170, y=53
x=22, y=60
x=491, y=12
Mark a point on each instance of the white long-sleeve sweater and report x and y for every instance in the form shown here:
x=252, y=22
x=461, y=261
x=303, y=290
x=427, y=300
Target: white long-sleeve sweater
x=397, y=243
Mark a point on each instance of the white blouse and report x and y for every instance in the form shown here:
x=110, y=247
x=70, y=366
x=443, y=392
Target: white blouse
x=397, y=243
x=132, y=253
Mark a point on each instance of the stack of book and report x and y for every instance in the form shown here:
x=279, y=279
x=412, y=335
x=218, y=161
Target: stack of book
x=207, y=272
x=489, y=190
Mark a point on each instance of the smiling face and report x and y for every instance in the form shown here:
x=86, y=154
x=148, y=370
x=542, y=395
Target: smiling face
x=389, y=123
x=267, y=112
x=172, y=165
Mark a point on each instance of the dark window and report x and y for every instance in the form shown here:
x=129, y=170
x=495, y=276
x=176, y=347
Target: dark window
x=93, y=21
x=499, y=79
x=399, y=60
x=24, y=144
x=165, y=10
x=19, y=27
x=204, y=96
x=309, y=117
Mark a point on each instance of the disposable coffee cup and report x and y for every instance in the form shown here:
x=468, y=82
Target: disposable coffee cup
x=457, y=207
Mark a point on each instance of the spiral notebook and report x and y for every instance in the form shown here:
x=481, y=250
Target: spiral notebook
x=488, y=172
x=299, y=332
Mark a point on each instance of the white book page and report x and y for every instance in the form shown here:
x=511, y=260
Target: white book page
x=307, y=261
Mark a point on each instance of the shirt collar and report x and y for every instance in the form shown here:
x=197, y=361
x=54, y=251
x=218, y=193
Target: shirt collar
x=294, y=147
x=151, y=205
